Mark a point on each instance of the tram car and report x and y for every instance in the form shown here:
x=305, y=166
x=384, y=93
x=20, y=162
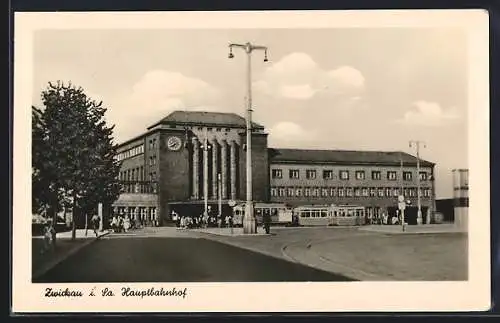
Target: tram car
x=280, y=213
x=329, y=215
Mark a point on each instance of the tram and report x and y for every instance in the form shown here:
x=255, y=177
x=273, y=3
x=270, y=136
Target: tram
x=329, y=215
x=280, y=213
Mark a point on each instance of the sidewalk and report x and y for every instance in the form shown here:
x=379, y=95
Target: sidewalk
x=413, y=229
x=65, y=247
x=231, y=232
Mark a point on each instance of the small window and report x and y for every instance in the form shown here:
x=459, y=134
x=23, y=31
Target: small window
x=391, y=175
x=360, y=174
x=407, y=176
x=200, y=128
x=209, y=129
x=277, y=173
x=376, y=175
x=218, y=129
x=423, y=176
x=344, y=174
x=294, y=173
x=228, y=129
x=328, y=174
x=310, y=174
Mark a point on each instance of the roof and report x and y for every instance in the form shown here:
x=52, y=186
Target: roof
x=343, y=157
x=205, y=118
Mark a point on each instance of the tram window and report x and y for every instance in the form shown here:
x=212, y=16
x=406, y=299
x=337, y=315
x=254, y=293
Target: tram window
x=258, y=211
x=274, y=211
x=334, y=213
x=323, y=214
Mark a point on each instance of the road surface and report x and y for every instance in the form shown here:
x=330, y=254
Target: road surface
x=162, y=259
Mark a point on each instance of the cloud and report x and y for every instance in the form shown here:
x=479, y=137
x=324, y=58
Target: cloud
x=288, y=134
x=431, y=114
x=155, y=95
x=297, y=76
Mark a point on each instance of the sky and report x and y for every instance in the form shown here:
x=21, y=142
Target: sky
x=357, y=88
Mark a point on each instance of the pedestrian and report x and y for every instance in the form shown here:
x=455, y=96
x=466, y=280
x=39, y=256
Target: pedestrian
x=95, y=221
x=267, y=222
x=126, y=223
x=47, y=236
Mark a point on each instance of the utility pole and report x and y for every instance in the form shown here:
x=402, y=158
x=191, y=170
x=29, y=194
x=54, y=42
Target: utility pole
x=249, y=223
x=417, y=144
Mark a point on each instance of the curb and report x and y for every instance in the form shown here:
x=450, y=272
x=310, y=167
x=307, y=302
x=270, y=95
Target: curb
x=55, y=262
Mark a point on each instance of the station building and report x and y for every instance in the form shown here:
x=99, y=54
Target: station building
x=189, y=156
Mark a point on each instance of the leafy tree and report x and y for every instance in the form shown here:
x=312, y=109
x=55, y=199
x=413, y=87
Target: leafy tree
x=75, y=152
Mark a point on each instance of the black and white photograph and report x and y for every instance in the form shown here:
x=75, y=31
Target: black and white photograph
x=287, y=161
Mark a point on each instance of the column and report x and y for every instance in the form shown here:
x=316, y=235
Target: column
x=196, y=168
x=215, y=167
x=136, y=216
x=233, y=170
x=223, y=157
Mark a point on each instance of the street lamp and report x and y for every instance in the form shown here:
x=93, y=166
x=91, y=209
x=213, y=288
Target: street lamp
x=249, y=223
x=205, y=147
x=417, y=144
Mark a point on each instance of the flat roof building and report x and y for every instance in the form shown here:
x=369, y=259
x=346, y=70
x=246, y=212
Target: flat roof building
x=188, y=156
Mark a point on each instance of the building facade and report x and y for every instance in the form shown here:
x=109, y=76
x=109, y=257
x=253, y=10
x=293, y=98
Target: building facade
x=189, y=157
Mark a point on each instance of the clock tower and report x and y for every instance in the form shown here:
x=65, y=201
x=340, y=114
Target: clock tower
x=174, y=167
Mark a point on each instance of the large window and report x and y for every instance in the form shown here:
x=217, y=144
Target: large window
x=277, y=173
x=360, y=174
x=376, y=175
x=311, y=174
x=324, y=192
x=281, y=191
x=357, y=192
x=349, y=191
x=373, y=192
x=307, y=192
x=364, y=192
x=298, y=192
x=341, y=191
x=328, y=174
x=333, y=191
x=344, y=174
x=274, y=191
x=380, y=192
x=294, y=173
x=290, y=192
x=315, y=192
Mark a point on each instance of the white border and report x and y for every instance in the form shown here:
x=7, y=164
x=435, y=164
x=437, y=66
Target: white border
x=247, y=297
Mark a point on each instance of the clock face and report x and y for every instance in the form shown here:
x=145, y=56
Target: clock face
x=174, y=143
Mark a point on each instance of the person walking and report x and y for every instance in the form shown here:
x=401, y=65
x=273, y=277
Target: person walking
x=267, y=222
x=95, y=221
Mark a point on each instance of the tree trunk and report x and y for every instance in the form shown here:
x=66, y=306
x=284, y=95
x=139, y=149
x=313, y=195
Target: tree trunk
x=75, y=214
x=86, y=223
x=53, y=215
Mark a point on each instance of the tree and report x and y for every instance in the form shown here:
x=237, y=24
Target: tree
x=75, y=152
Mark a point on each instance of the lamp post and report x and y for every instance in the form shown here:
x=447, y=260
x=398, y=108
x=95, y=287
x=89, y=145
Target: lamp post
x=249, y=224
x=417, y=144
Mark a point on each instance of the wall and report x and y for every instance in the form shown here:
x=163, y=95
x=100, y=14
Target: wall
x=260, y=168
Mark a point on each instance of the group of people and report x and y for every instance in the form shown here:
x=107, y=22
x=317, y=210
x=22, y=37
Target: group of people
x=383, y=219
x=122, y=223
x=201, y=221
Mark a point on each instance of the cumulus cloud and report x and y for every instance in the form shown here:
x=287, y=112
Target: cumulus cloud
x=155, y=95
x=425, y=113
x=288, y=134
x=298, y=76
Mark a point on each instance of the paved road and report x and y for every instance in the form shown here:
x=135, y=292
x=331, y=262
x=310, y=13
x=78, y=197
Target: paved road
x=161, y=259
